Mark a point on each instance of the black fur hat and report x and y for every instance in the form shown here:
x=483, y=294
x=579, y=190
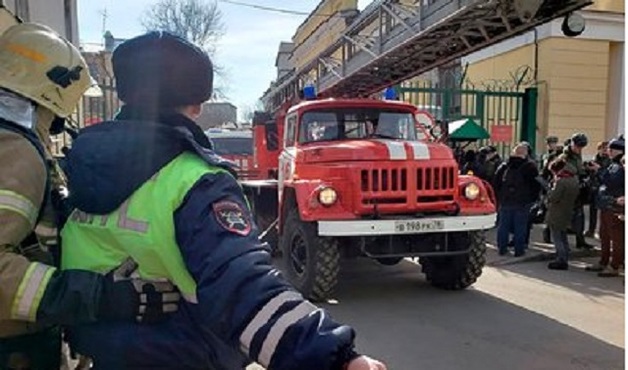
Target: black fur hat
x=159, y=71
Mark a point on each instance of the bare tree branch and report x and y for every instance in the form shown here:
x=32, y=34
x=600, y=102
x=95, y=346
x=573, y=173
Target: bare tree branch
x=249, y=110
x=198, y=21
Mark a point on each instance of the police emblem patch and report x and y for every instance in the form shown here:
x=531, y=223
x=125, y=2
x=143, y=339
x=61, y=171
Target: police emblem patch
x=232, y=217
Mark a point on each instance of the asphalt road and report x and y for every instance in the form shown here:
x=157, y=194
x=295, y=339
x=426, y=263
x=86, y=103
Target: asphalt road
x=520, y=316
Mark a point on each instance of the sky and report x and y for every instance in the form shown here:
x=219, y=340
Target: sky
x=247, y=51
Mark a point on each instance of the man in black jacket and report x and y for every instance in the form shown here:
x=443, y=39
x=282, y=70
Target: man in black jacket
x=517, y=189
x=612, y=187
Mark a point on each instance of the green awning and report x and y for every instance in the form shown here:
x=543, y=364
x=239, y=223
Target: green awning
x=467, y=130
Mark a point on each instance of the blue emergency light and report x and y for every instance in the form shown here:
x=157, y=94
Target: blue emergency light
x=391, y=94
x=309, y=92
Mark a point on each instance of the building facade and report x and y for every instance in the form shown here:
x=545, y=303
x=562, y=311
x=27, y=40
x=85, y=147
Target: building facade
x=217, y=114
x=60, y=15
x=580, y=80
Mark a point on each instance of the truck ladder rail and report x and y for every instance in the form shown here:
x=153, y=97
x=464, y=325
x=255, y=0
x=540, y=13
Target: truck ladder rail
x=390, y=42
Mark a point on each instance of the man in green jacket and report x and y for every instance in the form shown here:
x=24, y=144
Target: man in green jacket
x=572, y=155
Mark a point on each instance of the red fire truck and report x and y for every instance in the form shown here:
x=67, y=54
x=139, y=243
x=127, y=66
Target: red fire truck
x=356, y=176
x=236, y=146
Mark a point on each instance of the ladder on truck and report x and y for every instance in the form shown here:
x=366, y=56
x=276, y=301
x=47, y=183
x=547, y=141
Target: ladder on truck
x=390, y=42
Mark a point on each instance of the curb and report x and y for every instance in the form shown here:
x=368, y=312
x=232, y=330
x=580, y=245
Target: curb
x=535, y=253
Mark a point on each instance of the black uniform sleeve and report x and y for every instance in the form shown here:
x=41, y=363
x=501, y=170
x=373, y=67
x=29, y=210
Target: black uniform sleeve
x=78, y=297
x=71, y=297
x=243, y=299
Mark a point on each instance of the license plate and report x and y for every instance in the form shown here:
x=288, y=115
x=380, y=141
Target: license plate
x=418, y=226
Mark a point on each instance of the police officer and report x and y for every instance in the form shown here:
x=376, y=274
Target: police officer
x=42, y=78
x=170, y=204
x=572, y=154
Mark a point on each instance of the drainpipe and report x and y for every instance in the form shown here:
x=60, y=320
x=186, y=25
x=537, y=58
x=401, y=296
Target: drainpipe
x=536, y=56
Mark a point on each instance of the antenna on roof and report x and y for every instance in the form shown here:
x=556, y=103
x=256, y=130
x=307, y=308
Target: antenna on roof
x=105, y=16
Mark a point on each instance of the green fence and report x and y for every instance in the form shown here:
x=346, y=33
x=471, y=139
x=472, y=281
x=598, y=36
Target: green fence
x=499, y=106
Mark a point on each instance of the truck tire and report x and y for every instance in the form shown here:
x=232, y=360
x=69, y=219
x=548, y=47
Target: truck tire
x=311, y=262
x=457, y=272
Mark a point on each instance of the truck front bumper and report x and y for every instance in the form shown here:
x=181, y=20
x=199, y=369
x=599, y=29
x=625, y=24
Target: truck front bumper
x=406, y=226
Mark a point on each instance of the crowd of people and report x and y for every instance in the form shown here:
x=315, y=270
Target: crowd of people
x=554, y=190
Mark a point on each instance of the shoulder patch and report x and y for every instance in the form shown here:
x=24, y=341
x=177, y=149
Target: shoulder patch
x=232, y=217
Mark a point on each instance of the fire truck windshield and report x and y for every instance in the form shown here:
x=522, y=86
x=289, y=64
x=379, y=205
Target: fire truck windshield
x=352, y=124
x=232, y=145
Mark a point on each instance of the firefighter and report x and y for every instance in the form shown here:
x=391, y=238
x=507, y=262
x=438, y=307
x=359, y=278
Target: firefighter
x=178, y=212
x=42, y=78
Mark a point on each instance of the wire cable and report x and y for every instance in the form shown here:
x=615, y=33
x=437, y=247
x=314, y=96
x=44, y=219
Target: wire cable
x=274, y=9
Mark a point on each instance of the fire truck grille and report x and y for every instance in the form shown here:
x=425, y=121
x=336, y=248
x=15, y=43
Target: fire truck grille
x=435, y=178
x=384, y=180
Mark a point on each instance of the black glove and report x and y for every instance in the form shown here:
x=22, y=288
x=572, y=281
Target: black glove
x=125, y=296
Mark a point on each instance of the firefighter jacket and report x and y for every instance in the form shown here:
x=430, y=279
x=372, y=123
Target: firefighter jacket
x=159, y=196
x=33, y=293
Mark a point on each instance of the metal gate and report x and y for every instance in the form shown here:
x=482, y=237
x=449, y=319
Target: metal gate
x=495, y=107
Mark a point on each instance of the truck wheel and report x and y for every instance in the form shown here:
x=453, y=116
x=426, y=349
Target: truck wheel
x=311, y=262
x=457, y=272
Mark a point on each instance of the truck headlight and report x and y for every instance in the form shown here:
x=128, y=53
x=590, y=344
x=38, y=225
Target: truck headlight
x=472, y=191
x=327, y=196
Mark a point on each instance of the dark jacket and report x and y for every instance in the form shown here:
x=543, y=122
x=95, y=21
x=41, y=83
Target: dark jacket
x=561, y=200
x=612, y=183
x=515, y=182
x=574, y=160
x=235, y=278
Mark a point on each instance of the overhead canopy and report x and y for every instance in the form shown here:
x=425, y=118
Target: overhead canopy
x=466, y=130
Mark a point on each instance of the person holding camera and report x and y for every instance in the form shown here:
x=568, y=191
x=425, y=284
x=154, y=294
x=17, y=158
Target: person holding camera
x=603, y=160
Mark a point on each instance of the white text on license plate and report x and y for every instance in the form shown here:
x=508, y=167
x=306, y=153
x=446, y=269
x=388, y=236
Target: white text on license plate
x=417, y=226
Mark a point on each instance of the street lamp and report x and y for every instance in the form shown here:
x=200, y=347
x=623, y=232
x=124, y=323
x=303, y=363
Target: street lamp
x=573, y=25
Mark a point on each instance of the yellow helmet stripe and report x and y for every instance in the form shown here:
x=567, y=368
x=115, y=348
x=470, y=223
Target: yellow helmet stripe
x=27, y=52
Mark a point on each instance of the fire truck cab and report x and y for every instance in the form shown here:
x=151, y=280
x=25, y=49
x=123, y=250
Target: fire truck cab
x=236, y=146
x=360, y=177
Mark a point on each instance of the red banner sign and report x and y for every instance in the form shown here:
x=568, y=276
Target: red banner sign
x=501, y=133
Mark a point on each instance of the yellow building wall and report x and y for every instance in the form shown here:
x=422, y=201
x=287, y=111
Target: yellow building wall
x=572, y=82
x=615, y=6
x=323, y=37
x=305, y=52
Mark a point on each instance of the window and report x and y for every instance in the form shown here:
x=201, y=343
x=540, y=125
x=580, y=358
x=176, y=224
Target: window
x=21, y=10
x=232, y=145
x=272, y=137
x=291, y=127
x=67, y=13
x=352, y=124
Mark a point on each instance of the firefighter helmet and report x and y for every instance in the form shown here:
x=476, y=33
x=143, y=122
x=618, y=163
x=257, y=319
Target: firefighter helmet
x=40, y=65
